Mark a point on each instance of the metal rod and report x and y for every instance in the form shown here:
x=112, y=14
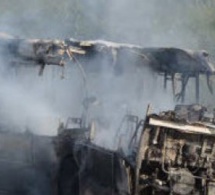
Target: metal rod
x=173, y=84
x=183, y=90
x=197, y=87
x=165, y=80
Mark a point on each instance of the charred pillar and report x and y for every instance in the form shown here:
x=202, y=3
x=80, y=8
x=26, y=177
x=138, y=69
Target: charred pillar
x=197, y=87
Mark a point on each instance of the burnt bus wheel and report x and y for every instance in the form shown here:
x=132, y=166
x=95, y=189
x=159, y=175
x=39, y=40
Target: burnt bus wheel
x=68, y=177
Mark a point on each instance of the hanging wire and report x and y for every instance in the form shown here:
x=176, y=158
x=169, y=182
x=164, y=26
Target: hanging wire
x=81, y=69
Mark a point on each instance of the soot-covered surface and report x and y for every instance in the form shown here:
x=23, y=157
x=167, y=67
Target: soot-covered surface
x=26, y=164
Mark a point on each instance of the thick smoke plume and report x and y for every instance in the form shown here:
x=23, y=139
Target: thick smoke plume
x=49, y=97
x=37, y=104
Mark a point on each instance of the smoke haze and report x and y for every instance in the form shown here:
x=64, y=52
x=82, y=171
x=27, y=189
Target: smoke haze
x=38, y=103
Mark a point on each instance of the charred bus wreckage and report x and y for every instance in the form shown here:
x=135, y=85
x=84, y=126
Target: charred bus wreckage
x=168, y=153
x=174, y=154
x=174, y=64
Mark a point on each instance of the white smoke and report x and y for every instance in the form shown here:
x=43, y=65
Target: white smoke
x=39, y=102
x=30, y=102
